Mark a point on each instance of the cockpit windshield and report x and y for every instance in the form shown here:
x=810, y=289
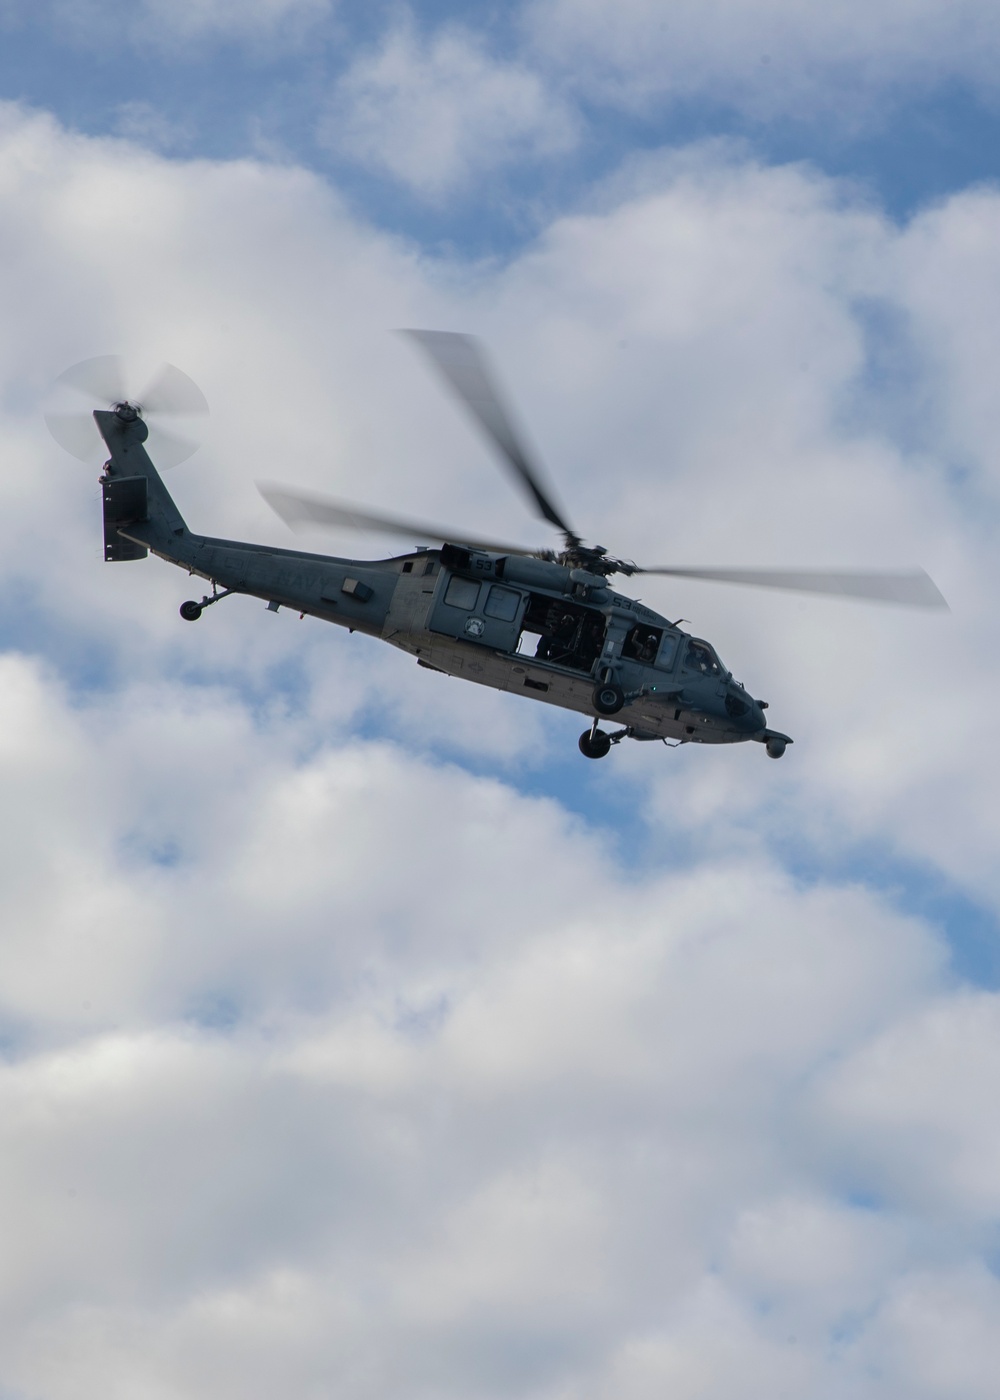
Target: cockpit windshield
x=699, y=657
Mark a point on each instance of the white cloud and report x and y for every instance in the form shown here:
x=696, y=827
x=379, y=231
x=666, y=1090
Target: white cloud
x=781, y=58
x=937, y=1334
x=142, y=123
x=930, y=1080
x=440, y=112
x=351, y=1190
x=333, y=1065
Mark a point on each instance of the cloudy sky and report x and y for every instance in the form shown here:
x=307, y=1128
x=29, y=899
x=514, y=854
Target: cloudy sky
x=360, y=1039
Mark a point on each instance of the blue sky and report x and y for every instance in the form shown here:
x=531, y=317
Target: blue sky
x=360, y=1037
x=226, y=96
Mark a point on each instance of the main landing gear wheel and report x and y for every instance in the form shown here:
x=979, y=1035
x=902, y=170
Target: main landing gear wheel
x=608, y=698
x=190, y=611
x=594, y=743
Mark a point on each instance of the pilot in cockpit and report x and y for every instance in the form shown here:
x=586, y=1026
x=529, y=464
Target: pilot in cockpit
x=700, y=657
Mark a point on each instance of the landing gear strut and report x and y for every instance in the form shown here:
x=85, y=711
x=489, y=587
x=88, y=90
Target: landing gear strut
x=191, y=611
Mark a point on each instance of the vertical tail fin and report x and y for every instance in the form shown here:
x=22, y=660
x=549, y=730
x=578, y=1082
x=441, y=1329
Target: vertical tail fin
x=134, y=493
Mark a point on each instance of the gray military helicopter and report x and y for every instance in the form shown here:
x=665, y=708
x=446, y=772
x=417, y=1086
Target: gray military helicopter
x=545, y=624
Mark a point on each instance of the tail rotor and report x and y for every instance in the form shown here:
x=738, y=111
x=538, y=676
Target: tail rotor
x=169, y=397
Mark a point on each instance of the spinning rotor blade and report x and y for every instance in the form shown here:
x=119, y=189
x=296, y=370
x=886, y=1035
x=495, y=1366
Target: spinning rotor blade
x=168, y=448
x=913, y=589
x=172, y=391
x=77, y=433
x=302, y=509
x=102, y=378
x=99, y=380
x=173, y=395
x=104, y=381
x=461, y=362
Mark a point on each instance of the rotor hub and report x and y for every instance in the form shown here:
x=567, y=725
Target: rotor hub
x=594, y=558
x=127, y=412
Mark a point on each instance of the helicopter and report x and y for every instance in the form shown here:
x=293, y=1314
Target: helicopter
x=544, y=624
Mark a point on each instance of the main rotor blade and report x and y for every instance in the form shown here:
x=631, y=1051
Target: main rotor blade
x=913, y=589
x=302, y=509
x=462, y=363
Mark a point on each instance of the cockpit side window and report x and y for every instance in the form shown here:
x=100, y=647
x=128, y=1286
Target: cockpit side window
x=700, y=657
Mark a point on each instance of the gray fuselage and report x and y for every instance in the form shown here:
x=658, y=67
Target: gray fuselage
x=529, y=626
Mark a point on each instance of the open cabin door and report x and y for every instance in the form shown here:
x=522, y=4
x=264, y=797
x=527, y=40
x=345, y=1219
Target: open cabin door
x=569, y=633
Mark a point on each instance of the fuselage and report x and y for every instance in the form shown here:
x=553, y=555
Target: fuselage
x=533, y=627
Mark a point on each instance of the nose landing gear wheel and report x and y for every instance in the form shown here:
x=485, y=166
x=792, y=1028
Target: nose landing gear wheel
x=190, y=611
x=608, y=698
x=594, y=743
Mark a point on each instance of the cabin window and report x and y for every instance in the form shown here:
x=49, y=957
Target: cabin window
x=429, y=568
x=641, y=643
x=408, y=567
x=668, y=652
x=700, y=657
x=502, y=603
x=462, y=593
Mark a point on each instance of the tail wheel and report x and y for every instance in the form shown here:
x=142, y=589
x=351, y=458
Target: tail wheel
x=190, y=611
